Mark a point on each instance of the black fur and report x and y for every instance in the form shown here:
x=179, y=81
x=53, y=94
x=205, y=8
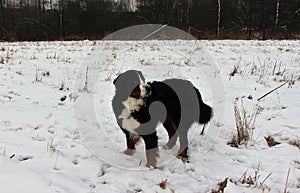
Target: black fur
x=177, y=111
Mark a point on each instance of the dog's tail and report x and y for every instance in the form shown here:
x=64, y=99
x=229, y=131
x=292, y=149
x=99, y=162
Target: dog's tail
x=205, y=110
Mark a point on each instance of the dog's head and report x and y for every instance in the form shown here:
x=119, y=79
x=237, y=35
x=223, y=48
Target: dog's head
x=132, y=84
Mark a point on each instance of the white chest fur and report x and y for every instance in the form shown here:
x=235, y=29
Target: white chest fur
x=128, y=122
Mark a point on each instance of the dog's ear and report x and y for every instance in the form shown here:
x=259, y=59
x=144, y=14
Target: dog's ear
x=115, y=80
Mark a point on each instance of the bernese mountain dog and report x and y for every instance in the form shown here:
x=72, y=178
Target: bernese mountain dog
x=140, y=106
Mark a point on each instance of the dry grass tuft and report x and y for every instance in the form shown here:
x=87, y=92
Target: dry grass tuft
x=244, y=121
x=221, y=186
x=253, y=181
x=163, y=184
x=234, y=71
x=271, y=141
x=295, y=142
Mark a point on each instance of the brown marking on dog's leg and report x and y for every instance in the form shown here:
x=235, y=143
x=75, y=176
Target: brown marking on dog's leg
x=129, y=151
x=131, y=141
x=171, y=128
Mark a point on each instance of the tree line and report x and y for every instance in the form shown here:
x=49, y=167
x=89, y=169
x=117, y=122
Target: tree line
x=94, y=19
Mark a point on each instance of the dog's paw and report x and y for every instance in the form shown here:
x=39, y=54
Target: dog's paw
x=151, y=164
x=129, y=151
x=152, y=156
x=183, y=156
x=184, y=159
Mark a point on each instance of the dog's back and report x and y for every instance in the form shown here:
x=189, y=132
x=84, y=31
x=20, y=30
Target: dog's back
x=180, y=99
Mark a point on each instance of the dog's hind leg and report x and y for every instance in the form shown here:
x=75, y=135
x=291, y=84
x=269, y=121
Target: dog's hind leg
x=182, y=153
x=171, y=128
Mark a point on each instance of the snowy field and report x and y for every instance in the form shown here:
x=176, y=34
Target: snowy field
x=58, y=132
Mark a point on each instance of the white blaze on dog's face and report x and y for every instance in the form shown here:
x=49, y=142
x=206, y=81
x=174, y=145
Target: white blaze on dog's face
x=143, y=87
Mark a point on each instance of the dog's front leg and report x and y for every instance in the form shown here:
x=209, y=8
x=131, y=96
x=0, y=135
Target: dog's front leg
x=152, y=152
x=131, y=141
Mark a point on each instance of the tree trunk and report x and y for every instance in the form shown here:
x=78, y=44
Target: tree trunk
x=264, y=20
x=40, y=11
x=44, y=11
x=51, y=5
x=219, y=18
x=1, y=19
x=277, y=14
x=188, y=13
x=250, y=19
x=61, y=19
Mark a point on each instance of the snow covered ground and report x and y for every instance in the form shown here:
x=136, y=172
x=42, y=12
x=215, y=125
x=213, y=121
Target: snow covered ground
x=58, y=132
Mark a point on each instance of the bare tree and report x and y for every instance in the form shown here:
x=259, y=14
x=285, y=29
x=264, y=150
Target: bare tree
x=127, y=5
x=1, y=18
x=43, y=11
x=265, y=9
x=277, y=14
x=2, y=2
x=188, y=13
x=184, y=7
x=39, y=5
x=219, y=18
x=51, y=4
x=61, y=18
x=250, y=19
x=22, y=3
